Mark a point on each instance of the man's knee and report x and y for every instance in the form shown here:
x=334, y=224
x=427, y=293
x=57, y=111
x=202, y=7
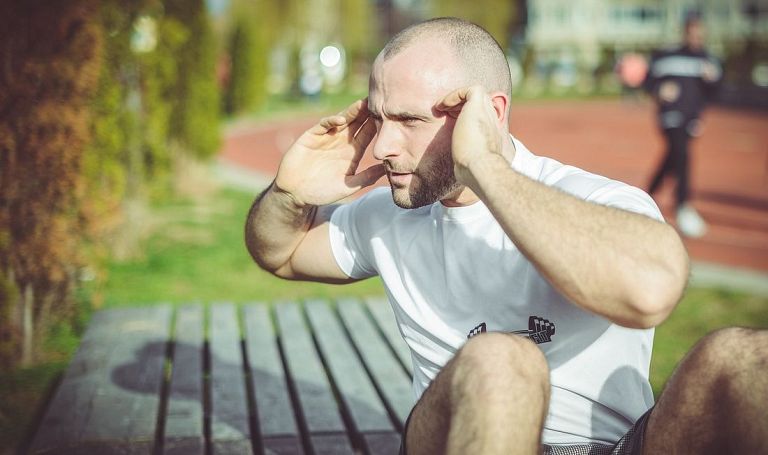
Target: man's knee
x=727, y=359
x=726, y=349
x=499, y=358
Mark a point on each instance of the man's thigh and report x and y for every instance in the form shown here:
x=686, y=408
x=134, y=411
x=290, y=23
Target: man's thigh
x=715, y=399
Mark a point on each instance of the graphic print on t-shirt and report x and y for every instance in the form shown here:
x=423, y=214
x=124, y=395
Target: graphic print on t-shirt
x=539, y=331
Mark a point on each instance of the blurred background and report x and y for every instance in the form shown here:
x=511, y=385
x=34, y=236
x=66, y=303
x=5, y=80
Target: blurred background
x=135, y=135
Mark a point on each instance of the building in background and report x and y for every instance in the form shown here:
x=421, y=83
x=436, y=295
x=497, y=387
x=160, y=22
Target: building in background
x=575, y=45
x=554, y=46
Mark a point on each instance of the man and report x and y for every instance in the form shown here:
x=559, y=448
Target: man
x=680, y=80
x=566, y=271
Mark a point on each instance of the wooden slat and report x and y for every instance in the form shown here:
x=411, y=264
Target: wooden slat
x=386, y=370
x=330, y=444
x=355, y=388
x=109, y=397
x=184, y=415
x=319, y=411
x=277, y=424
x=230, y=428
x=382, y=313
x=382, y=443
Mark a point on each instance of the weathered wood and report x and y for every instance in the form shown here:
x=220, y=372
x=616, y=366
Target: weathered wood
x=277, y=445
x=109, y=398
x=331, y=444
x=109, y=401
x=230, y=427
x=276, y=421
x=382, y=313
x=387, y=372
x=184, y=413
x=382, y=443
x=358, y=394
x=318, y=408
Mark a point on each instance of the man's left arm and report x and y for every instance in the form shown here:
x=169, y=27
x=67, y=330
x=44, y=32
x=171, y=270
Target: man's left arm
x=624, y=266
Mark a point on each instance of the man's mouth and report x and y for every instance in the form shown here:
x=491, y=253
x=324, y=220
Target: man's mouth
x=399, y=178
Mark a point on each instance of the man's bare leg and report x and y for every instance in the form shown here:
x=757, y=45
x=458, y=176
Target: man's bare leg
x=492, y=397
x=717, y=400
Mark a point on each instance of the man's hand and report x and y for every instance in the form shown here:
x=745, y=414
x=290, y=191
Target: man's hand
x=709, y=72
x=476, y=135
x=321, y=166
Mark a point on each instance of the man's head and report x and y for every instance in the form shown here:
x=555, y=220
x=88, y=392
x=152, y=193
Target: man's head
x=694, y=32
x=411, y=75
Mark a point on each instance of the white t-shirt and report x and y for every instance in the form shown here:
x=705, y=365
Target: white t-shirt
x=448, y=270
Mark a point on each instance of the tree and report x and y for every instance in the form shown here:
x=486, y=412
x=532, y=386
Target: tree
x=51, y=57
x=496, y=16
x=243, y=85
x=251, y=38
x=359, y=37
x=195, y=96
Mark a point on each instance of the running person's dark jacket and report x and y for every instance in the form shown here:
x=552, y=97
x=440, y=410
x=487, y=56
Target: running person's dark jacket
x=684, y=67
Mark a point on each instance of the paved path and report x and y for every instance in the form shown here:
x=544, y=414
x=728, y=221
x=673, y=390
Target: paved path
x=729, y=165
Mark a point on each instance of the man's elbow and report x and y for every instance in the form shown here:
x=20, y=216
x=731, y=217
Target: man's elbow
x=655, y=297
x=651, y=311
x=279, y=267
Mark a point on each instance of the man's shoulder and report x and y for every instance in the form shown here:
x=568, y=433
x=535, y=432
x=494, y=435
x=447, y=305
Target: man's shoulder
x=550, y=171
x=580, y=183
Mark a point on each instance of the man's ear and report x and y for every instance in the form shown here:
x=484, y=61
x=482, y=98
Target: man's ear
x=500, y=102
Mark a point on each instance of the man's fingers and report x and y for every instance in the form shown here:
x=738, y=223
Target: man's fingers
x=453, y=100
x=356, y=113
x=361, y=115
x=367, y=177
x=458, y=97
x=365, y=134
x=353, y=116
x=328, y=123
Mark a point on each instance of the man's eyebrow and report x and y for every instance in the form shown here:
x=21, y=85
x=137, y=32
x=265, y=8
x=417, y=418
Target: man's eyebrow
x=399, y=116
x=405, y=115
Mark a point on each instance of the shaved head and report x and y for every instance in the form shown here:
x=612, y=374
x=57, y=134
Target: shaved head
x=481, y=59
x=414, y=72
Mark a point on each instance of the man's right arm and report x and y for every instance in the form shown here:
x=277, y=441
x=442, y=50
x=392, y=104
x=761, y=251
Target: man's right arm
x=287, y=231
x=292, y=241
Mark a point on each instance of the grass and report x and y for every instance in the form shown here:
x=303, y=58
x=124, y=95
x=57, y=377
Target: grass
x=195, y=252
x=700, y=312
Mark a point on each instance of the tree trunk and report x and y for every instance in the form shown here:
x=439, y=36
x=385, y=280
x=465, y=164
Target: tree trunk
x=27, y=326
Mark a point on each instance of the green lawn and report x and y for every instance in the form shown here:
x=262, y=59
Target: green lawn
x=195, y=252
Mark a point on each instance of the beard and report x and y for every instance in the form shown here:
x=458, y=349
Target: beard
x=428, y=185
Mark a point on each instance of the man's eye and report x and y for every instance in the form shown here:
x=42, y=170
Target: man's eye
x=410, y=121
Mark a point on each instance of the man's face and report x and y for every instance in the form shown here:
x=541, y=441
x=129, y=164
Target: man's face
x=413, y=139
x=694, y=35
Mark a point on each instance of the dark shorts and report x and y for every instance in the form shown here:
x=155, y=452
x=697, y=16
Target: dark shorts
x=629, y=444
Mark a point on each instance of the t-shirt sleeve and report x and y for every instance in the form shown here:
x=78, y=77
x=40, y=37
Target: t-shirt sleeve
x=627, y=197
x=350, y=235
x=604, y=191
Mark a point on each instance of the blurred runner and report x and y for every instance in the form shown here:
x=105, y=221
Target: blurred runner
x=681, y=80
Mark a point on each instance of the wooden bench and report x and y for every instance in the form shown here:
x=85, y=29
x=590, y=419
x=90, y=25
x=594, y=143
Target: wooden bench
x=288, y=378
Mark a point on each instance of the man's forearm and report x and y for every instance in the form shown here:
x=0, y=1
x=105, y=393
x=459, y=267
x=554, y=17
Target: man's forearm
x=624, y=266
x=275, y=227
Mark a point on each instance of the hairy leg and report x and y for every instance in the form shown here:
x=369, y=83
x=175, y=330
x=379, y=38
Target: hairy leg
x=717, y=400
x=491, y=397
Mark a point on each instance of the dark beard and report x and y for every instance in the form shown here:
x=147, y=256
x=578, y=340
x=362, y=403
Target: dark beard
x=429, y=186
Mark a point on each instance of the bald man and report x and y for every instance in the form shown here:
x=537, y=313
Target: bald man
x=526, y=289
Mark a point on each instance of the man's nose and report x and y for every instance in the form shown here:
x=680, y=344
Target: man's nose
x=386, y=143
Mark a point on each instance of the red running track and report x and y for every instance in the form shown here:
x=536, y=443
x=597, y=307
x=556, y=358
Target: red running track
x=729, y=169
